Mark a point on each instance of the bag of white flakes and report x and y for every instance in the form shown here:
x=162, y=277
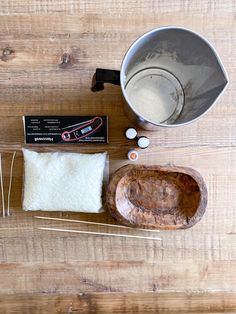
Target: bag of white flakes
x=63, y=181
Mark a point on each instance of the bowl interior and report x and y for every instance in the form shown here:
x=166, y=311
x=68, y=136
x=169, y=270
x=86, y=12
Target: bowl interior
x=147, y=197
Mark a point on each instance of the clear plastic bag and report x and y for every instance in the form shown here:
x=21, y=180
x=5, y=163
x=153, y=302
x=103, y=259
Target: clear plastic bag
x=64, y=181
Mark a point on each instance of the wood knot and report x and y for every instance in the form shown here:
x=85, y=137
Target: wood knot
x=65, y=59
x=7, y=54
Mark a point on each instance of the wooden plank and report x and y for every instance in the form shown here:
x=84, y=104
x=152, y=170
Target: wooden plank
x=92, y=6
x=22, y=242
x=117, y=276
x=106, y=303
x=95, y=26
x=212, y=130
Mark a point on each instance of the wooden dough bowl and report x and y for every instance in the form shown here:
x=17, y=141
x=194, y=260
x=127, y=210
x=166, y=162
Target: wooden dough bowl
x=156, y=197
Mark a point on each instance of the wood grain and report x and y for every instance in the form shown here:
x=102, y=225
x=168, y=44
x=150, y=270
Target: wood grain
x=191, y=271
x=90, y=303
x=117, y=275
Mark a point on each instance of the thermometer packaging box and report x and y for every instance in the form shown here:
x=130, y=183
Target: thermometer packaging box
x=65, y=129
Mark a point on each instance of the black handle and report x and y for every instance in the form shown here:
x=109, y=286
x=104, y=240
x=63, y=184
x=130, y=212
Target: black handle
x=102, y=76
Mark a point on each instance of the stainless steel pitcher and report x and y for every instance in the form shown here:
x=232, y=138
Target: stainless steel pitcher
x=169, y=77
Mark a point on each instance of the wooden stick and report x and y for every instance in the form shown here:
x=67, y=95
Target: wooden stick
x=101, y=233
x=2, y=189
x=10, y=184
x=93, y=223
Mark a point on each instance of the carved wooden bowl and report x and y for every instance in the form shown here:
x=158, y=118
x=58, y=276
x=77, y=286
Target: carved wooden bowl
x=158, y=197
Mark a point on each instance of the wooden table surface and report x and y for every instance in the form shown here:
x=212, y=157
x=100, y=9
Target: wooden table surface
x=42, y=272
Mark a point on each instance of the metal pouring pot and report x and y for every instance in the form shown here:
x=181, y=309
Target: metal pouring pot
x=170, y=76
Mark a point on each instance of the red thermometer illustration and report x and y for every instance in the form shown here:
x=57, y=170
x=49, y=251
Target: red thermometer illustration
x=85, y=129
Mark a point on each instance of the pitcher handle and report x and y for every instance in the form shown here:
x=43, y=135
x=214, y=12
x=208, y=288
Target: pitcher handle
x=102, y=76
